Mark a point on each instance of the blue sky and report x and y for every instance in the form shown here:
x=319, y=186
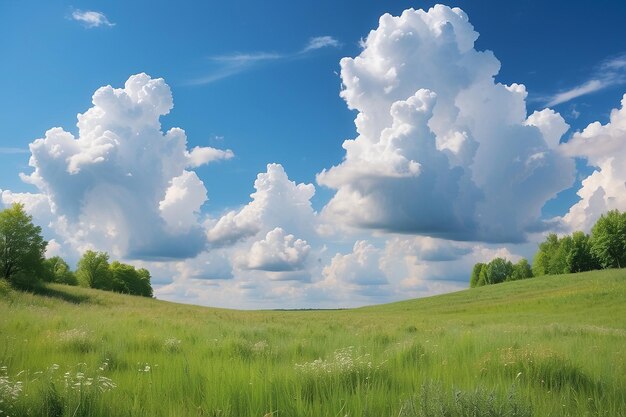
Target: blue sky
x=264, y=82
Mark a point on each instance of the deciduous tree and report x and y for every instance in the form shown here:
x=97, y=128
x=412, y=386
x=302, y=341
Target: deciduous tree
x=580, y=257
x=496, y=271
x=521, y=270
x=474, y=278
x=22, y=247
x=608, y=240
x=57, y=270
x=93, y=270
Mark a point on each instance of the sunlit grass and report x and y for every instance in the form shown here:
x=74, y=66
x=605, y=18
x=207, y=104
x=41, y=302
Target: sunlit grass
x=553, y=346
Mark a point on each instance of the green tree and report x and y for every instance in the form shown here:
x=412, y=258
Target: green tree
x=496, y=271
x=145, y=287
x=608, y=240
x=580, y=257
x=136, y=282
x=474, y=278
x=544, y=255
x=482, y=276
x=558, y=260
x=22, y=247
x=129, y=280
x=521, y=270
x=123, y=277
x=57, y=270
x=93, y=270
x=551, y=257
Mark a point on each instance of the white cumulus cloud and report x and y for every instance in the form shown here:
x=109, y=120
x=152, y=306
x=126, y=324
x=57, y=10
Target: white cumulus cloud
x=428, y=249
x=442, y=149
x=360, y=267
x=122, y=184
x=199, y=156
x=277, y=252
x=551, y=125
x=604, y=147
x=277, y=202
x=182, y=201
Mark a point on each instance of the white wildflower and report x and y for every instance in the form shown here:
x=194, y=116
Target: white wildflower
x=344, y=361
x=260, y=346
x=9, y=390
x=172, y=344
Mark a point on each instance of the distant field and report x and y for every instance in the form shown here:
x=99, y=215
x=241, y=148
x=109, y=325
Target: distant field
x=548, y=346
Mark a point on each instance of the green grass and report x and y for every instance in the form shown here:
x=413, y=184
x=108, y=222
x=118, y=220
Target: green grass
x=549, y=346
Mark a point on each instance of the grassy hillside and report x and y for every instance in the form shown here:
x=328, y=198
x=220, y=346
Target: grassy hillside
x=550, y=346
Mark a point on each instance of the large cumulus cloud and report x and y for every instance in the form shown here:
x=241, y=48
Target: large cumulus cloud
x=603, y=147
x=122, y=184
x=442, y=149
x=277, y=252
x=359, y=268
x=276, y=202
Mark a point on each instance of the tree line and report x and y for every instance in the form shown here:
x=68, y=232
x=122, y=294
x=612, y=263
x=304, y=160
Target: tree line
x=24, y=265
x=499, y=270
x=604, y=248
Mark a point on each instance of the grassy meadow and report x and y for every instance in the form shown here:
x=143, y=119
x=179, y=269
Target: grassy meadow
x=548, y=346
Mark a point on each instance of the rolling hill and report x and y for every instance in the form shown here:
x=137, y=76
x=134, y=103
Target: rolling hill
x=547, y=346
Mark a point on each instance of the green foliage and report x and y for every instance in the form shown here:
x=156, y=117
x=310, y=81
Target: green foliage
x=497, y=271
x=540, y=262
x=580, y=257
x=93, y=271
x=558, y=260
x=127, y=279
x=605, y=248
x=608, y=240
x=22, y=247
x=564, y=255
x=143, y=286
x=22, y=261
x=521, y=270
x=57, y=270
x=476, y=274
x=544, y=260
x=120, y=275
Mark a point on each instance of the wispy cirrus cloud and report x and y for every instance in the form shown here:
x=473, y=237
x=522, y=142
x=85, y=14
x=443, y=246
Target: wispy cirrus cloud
x=246, y=59
x=5, y=150
x=609, y=73
x=91, y=19
x=229, y=65
x=320, y=42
